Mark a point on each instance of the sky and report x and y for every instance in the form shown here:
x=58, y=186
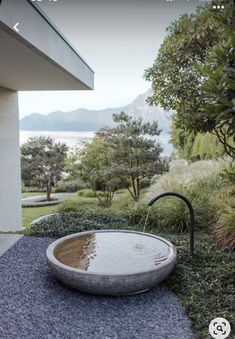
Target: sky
x=119, y=39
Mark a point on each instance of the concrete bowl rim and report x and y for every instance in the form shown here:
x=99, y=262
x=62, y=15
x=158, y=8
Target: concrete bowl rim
x=50, y=254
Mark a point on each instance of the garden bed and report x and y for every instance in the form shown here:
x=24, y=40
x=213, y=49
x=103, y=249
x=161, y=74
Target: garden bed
x=203, y=283
x=40, y=202
x=36, y=305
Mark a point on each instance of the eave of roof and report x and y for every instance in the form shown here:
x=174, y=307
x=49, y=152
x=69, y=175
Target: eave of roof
x=38, y=57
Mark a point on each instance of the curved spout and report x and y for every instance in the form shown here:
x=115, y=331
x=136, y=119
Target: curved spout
x=191, y=211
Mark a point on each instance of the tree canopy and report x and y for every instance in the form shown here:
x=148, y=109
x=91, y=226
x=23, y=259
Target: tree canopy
x=121, y=157
x=94, y=169
x=42, y=161
x=218, y=72
x=134, y=151
x=177, y=81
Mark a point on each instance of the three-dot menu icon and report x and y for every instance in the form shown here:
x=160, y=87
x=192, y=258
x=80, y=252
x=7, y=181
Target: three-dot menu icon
x=218, y=7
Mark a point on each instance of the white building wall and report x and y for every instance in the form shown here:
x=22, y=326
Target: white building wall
x=10, y=181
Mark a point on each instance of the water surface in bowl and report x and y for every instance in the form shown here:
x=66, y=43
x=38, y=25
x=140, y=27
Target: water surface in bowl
x=113, y=252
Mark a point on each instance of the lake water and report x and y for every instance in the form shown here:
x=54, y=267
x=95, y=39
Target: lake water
x=72, y=139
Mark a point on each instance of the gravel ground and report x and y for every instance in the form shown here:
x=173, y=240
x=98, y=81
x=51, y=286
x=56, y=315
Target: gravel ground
x=35, y=305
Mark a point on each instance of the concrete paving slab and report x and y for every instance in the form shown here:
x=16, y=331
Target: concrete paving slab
x=7, y=241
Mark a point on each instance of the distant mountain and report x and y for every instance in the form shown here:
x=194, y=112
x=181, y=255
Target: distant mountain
x=92, y=120
x=140, y=108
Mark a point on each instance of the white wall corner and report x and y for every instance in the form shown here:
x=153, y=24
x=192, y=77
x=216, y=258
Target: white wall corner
x=10, y=174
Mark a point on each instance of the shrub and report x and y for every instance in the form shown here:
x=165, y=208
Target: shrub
x=75, y=205
x=228, y=175
x=136, y=214
x=224, y=228
x=172, y=214
x=69, y=206
x=26, y=189
x=86, y=193
x=168, y=214
x=182, y=173
x=68, y=186
x=122, y=200
x=36, y=203
x=61, y=224
x=145, y=182
x=121, y=191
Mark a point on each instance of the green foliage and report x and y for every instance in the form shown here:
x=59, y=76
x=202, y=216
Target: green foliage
x=228, y=175
x=29, y=189
x=206, y=146
x=71, y=165
x=195, y=146
x=145, y=182
x=205, y=283
x=133, y=155
x=42, y=161
x=121, y=157
x=182, y=141
x=87, y=193
x=219, y=82
x=94, y=170
x=173, y=215
x=201, y=96
x=68, y=186
x=170, y=214
x=224, y=228
x=61, y=224
x=69, y=206
x=29, y=214
x=78, y=204
x=212, y=197
x=175, y=82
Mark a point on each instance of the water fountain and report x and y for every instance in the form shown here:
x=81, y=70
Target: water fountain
x=114, y=262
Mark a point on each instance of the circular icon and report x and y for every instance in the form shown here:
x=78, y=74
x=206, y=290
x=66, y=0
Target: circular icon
x=219, y=328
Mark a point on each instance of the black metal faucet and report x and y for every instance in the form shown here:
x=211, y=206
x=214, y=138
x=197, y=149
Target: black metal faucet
x=191, y=211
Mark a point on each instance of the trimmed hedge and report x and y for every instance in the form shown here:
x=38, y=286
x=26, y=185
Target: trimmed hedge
x=37, y=203
x=33, y=189
x=62, y=224
x=68, y=186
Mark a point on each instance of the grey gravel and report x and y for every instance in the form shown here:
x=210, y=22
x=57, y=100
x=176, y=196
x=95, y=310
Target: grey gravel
x=33, y=304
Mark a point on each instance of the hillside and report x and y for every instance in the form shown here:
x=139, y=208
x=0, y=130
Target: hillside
x=92, y=120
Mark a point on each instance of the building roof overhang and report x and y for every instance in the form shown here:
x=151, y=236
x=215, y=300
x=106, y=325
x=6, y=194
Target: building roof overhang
x=38, y=56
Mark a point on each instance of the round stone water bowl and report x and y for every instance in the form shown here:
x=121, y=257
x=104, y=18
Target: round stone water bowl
x=111, y=262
